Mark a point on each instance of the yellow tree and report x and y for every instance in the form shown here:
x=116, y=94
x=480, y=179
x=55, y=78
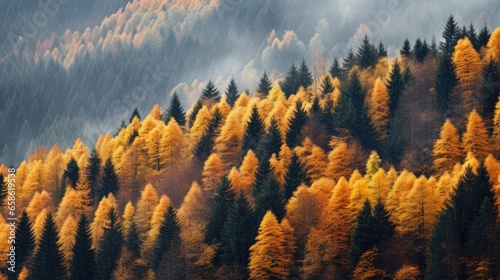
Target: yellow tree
x=248, y=169
x=323, y=189
x=289, y=244
x=38, y=202
x=494, y=45
x=446, y=152
x=315, y=163
x=81, y=154
x=156, y=220
x=401, y=188
x=172, y=142
x=67, y=237
x=267, y=255
x=379, y=187
x=493, y=166
x=213, y=171
x=408, y=272
x=199, y=126
x=444, y=190
x=379, y=109
x=133, y=169
x=74, y=202
x=54, y=169
x=128, y=216
x=496, y=126
x=228, y=143
x=339, y=162
x=366, y=267
x=33, y=183
x=476, y=139
x=145, y=208
x=101, y=219
x=39, y=223
x=155, y=150
x=317, y=247
x=468, y=66
x=372, y=165
x=359, y=194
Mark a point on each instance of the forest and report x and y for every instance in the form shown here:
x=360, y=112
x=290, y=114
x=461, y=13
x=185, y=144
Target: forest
x=379, y=168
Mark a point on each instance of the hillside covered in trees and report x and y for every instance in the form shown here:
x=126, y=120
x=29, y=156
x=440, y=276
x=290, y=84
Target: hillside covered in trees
x=378, y=168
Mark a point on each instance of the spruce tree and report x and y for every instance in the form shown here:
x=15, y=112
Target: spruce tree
x=395, y=87
x=483, y=37
x=271, y=142
x=135, y=113
x=264, y=85
x=167, y=236
x=83, y=266
x=253, y=132
x=109, y=182
x=48, y=262
x=93, y=173
x=305, y=76
x=406, y=49
x=175, y=111
x=291, y=83
x=268, y=197
x=381, y=51
x=348, y=62
x=210, y=92
x=450, y=36
x=294, y=176
x=194, y=112
x=420, y=50
x=71, y=173
x=238, y=233
x=220, y=204
x=445, y=81
x=204, y=147
x=232, y=93
x=367, y=54
x=362, y=235
x=25, y=242
x=335, y=70
x=471, y=33
x=133, y=242
x=295, y=125
x=326, y=85
x=110, y=247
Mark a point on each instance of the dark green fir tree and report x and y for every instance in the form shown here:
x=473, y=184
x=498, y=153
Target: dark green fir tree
x=264, y=85
x=109, y=251
x=83, y=266
x=254, y=130
x=175, y=111
x=109, y=183
x=232, y=93
x=295, y=125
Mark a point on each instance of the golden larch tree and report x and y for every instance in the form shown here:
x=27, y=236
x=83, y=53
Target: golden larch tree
x=267, y=255
x=492, y=166
x=494, y=45
x=156, y=220
x=372, y=165
x=447, y=152
x=248, y=167
x=317, y=247
x=379, y=109
x=496, y=127
x=468, y=66
x=172, y=143
x=74, y=202
x=54, y=169
x=33, y=183
x=289, y=244
x=39, y=223
x=339, y=162
x=392, y=176
x=213, y=171
x=476, y=139
x=402, y=186
x=145, y=208
x=38, y=202
x=101, y=219
x=359, y=194
x=366, y=267
x=155, y=150
x=228, y=143
x=128, y=216
x=323, y=190
x=408, y=272
x=5, y=246
x=67, y=237
x=379, y=187
x=444, y=190
x=199, y=126
x=315, y=163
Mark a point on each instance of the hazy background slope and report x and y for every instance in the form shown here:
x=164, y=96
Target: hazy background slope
x=77, y=69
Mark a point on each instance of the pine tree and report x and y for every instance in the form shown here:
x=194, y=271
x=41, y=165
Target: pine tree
x=135, y=113
x=271, y=141
x=264, y=85
x=204, y=147
x=232, y=93
x=110, y=247
x=238, y=233
x=294, y=176
x=175, y=111
x=305, y=76
x=445, y=81
x=295, y=125
x=379, y=109
x=220, y=204
x=25, y=242
x=326, y=85
x=348, y=62
x=92, y=171
x=167, y=235
x=109, y=183
x=291, y=83
x=447, y=152
x=210, y=92
x=476, y=139
x=450, y=36
x=133, y=242
x=71, y=173
x=395, y=86
x=406, y=49
x=83, y=266
x=367, y=54
x=267, y=254
x=48, y=261
x=268, y=197
x=336, y=70
x=421, y=50
x=253, y=132
x=381, y=51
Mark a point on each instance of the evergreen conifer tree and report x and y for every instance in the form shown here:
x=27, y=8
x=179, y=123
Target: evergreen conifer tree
x=175, y=111
x=336, y=70
x=210, y=92
x=110, y=247
x=135, y=113
x=264, y=85
x=395, y=87
x=93, y=173
x=295, y=125
x=445, y=81
x=232, y=93
x=83, y=265
x=305, y=76
x=204, y=147
x=291, y=83
x=294, y=176
x=367, y=54
x=25, y=242
x=268, y=197
x=406, y=49
x=271, y=142
x=109, y=183
x=71, y=174
x=450, y=35
x=167, y=235
x=253, y=132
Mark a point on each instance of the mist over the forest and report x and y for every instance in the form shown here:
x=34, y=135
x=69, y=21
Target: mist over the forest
x=87, y=77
